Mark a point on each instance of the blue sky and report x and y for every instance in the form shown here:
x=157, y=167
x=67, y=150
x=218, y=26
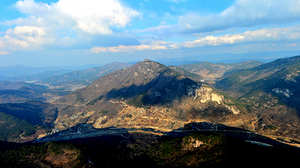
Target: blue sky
x=80, y=32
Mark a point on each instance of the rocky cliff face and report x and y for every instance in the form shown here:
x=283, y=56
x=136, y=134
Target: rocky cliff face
x=206, y=94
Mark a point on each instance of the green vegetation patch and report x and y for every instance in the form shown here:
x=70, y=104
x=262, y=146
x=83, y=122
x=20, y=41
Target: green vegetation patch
x=79, y=98
x=271, y=127
x=137, y=101
x=129, y=116
x=172, y=152
x=209, y=139
x=166, y=148
x=104, y=112
x=12, y=127
x=92, y=102
x=31, y=111
x=30, y=154
x=237, y=103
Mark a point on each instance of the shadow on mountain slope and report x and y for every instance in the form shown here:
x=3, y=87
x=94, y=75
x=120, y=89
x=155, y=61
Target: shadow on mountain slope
x=223, y=145
x=239, y=133
x=35, y=112
x=161, y=90
x=87, y=131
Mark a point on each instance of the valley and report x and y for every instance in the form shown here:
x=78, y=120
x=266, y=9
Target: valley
x=212, y=72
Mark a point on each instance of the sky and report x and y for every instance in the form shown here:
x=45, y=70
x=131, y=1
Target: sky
x=81, y=32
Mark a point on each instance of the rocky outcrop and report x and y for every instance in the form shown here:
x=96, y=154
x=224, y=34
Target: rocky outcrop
x=233, y=109
x=206, y=94
x=191, y=143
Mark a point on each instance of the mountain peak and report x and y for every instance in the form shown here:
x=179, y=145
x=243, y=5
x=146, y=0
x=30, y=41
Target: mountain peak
x=147, y=61
x=144, y=78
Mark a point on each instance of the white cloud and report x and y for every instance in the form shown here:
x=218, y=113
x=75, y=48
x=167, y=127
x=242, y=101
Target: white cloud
x=13, y=44
x=26, y=37
x=131, y=48
x=244, y=13
x=263, y=35
x=2, y=45
x=31, y=7
x=4, y=52
x=45, y=24
x=90, y=16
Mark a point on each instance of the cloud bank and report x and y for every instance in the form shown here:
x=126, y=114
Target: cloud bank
x=262, y=35
x=265, y=35
x=131, y=48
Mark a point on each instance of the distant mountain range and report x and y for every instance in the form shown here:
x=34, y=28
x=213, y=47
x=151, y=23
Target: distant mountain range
x=19, y=92
x=57, y=75
x=84, y=77
x=38, y=76
x=21, y=71
x=213, y=71
x=227, y=58
x=4, y=85
x=59, y=81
